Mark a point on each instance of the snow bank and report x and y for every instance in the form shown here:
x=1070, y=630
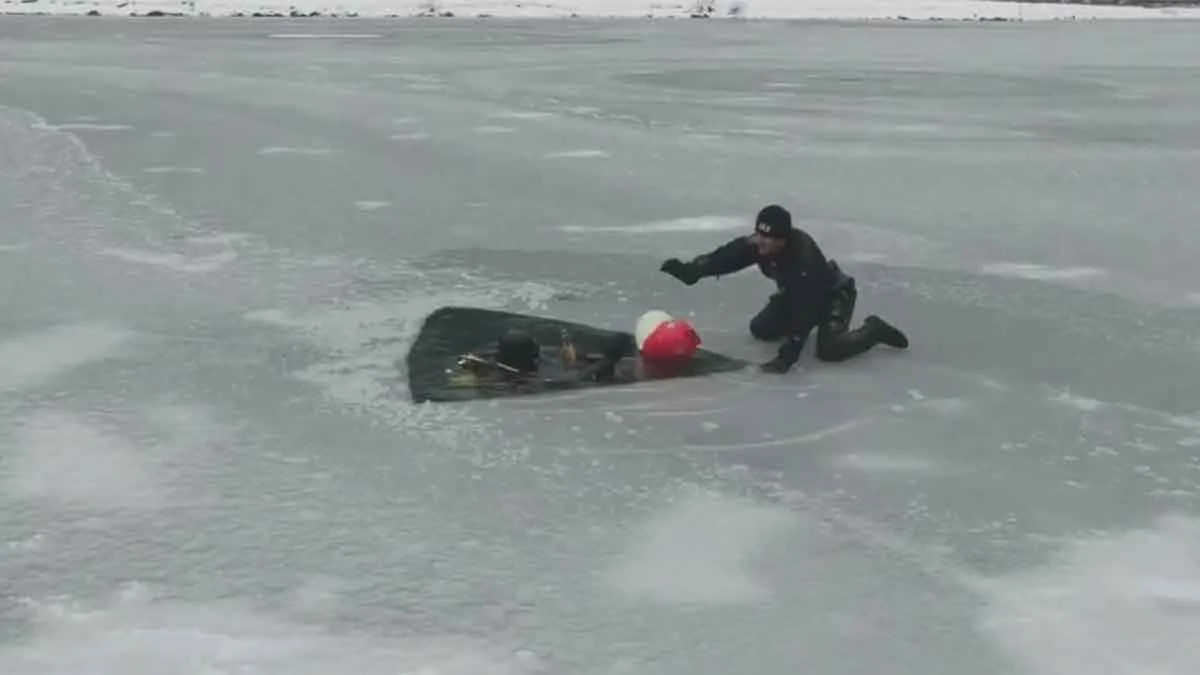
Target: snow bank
x=751, y=9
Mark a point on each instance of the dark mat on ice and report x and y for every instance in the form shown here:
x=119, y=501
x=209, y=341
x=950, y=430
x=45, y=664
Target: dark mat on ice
x=449, y=333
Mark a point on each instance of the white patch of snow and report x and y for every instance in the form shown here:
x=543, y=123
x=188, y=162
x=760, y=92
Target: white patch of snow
x=66, y=459
x=492, y=129
x=88, y=126
x=371, y=205
x=173, y=261
x=287, y=150
x=692, y=224
x=672, y=558
x=323, y=36
x=219, y=238
x=174, y=169
x=1081, y=403
x=138, y=633
x=944, y=406
x=884, y=463
x=1127, y=603
x=521, y=115
x=35, y=358
x=576, y=154
x=1040, y=272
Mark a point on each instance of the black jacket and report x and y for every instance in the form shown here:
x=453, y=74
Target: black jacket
x=801, y=272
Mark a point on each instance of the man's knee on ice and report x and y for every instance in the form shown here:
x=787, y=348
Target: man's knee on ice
x=764, y=326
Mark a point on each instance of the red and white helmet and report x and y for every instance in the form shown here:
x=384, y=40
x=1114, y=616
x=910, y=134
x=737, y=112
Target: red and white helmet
x=661, y=337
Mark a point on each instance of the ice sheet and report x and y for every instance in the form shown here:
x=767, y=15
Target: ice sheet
x=217, y=245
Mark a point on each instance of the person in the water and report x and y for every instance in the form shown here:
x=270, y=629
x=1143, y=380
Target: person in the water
x=663, y=347
x=520, y=362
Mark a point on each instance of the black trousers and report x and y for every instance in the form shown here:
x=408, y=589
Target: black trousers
x=829, y=314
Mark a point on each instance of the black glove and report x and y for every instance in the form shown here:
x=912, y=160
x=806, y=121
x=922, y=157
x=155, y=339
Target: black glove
x=777, y=365
x=789, y=353
x=688, y=273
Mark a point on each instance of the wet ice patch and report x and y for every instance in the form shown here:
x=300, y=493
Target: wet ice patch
x=1040, y=272
x=691, y=224
x=68, y=459
x=32, y=359
x=174, y=262
x=13, y=248
x=583, y=153
x=136, y=633
x=323, y=36
x=699, y=550
x=1125, y=603
x=410, y=136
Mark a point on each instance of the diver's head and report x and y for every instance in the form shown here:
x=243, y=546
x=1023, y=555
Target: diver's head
x=519, y=351
x=772, y=227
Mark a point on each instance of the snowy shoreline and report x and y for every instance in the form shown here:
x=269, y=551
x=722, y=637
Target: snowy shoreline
x=837, y=10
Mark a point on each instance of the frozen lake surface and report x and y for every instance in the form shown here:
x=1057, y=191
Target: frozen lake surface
x=216, y=243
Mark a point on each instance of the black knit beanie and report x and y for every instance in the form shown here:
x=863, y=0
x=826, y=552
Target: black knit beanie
x=774, y=222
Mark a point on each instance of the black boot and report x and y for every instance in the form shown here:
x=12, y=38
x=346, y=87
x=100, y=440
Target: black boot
x=885, y=332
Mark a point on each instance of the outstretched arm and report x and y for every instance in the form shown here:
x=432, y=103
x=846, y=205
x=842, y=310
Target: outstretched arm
x=730, y=257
